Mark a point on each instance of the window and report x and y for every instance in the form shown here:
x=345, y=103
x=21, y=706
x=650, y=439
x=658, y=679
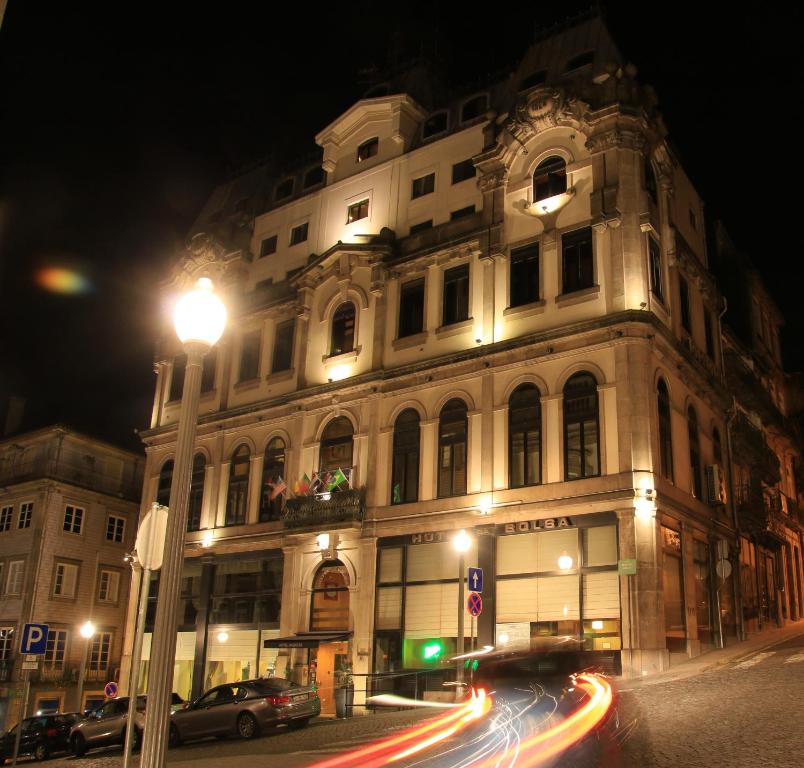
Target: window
x=655, y=256
x=463, y=171
x=284, y=190
x=462, y=213
x=343, y=329
x=268, y=246
x=524, y=275
x=456, y=295
x=411, y=308
x=26, y=512
x=16, y=571
x=581, y=60
x=299, y=234
x=273, y=480
x=577, y=260
x=73, y=517
x=65, y=580
x=709, y=334
x=549, y=178
x=115, y=528
x=650, y=182
x=405, y=468
x=313, y=177
x=665, y=431
x=237, y=497
x=283, y=347
x=164, y=484
x=368, y=149
x=6, y=514
x=250, y=356
x=357, y=211
x=684, y=300
x=696, y=470
x=108, y=585
x=581, y=441
x=6, y=643
x=435, y=124
x=195, y=499
x=208, y=370
x=177, y=377
x=421, y=226
x=717, y=447
x=55, y=648
x=531, y=81
x=452, y=433
x=330, y=597
x=474, y=107
x=693, y=220
x=422, y=186
x=336, y=444
x=100, y=650
x=524, y=437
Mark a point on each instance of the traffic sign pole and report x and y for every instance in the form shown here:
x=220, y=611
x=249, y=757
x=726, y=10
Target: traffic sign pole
x=24, y=709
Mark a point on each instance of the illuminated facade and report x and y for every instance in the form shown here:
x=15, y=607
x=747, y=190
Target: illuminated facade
x=491, y=313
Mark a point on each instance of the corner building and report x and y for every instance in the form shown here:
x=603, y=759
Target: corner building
x=491, y=311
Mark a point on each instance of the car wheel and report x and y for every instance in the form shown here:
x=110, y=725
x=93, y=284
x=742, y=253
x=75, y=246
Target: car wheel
x=173, y=736
x=246, y=726
x=79, y=745
x=294, y=725
x=41, y=752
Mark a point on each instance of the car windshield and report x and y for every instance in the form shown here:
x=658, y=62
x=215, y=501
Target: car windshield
x=272, y=684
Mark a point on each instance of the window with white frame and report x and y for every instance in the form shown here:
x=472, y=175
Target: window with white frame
x=65, y=580
x=16, y=571
x=55, y=648
x=99, y=653
x=73, y=518
x=115, y=529
x=108, y=585
x=26, y=513
x=6, y=643
x=5, y=518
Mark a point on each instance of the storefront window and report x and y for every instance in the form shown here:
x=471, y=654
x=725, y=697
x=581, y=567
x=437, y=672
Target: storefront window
x=231, y=656
x=247, y=591
x=675, y=627
x=183, y=667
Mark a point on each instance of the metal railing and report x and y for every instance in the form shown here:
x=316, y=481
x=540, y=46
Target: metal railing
x=335, y=507
x=410, y=684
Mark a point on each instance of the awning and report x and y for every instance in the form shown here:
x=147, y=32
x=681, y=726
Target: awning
x=306, y=640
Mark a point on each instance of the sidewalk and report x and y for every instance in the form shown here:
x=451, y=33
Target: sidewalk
x=719, y=658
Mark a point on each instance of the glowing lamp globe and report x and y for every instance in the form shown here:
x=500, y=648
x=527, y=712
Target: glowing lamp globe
x=199, y=315
x=87, y=630
x=462, y=541
x=565, y=562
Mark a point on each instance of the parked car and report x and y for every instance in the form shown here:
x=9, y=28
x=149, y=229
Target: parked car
x=244, y=709
x=41, y=736
x=107, y=726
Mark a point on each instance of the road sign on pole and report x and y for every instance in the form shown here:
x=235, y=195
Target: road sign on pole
x=110, y=690
x=475, y=579
x=34, y=639
x=474, y=604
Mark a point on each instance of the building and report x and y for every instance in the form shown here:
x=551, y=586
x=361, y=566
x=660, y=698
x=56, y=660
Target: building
x=489, y=310
x=68, y=516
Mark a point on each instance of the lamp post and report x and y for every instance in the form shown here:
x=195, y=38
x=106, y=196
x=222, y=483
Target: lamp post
x=199, y=318
x=87, y=631
x=461, y=543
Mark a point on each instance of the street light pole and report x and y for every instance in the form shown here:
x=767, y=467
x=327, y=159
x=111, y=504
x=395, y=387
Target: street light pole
x=461, y=543
x=200, y=318
x=87, y=632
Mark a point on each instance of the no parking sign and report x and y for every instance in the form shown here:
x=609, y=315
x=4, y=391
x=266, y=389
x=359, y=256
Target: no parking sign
x=110, y=690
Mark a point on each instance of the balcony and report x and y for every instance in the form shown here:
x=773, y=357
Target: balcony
x=762, y=514
x=323, y=510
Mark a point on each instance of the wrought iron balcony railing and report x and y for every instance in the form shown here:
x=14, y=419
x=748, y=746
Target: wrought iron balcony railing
x=347, y=506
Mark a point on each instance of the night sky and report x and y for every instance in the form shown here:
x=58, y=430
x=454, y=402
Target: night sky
x=116, y=127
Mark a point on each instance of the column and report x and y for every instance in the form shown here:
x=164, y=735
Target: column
x=380, y=493
x=254, y=487
x=208, y=505
x=223, y=492
x=362, y=609
x=428, y=475
x=360, y=458
x=487, y=433
x=552, y=440
x=500, y=457
x=690, y=602
x=130, y=626
x=475, y=443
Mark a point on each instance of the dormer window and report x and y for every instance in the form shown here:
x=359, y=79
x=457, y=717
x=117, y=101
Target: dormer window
x=284, y=190
x=313, y=177
x=435, y=124
x=368, y=149
x=581, y=60
x=531, y=81
x=550, y=178
x=475, y=107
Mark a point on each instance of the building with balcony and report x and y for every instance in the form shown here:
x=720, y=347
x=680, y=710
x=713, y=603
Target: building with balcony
x=68, y=516
x=489, y=310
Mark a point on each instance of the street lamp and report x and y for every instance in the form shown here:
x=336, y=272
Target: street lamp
x=199, y=318
x=461, y=542
x=87, y=631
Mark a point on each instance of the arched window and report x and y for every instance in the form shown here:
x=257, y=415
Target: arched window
x=549, y=178
x=405, y=471
x=717, y=447
x=329, y=608
x=273, y=480
x=650, y=182
x=665, y=430
x=524, y=437
x=581, y=438
x=336, y=445
x=343, y=329
x=165, y=481
x=452, y=429
x=237, y=498
x=695, y=453
x=196, y=498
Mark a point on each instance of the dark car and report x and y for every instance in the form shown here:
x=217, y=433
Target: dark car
x=41, y=736
x=244, y=709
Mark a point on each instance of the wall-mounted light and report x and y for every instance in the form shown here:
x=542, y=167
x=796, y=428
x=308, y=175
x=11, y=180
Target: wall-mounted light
x=322, y=540
x=208, y=538
x=223, y=637
x=565, y=562
x=484, y=508
x=645, y=503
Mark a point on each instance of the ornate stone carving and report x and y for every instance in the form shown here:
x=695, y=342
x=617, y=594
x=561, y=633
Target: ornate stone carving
x=488, y=182
x=616, y=138
x=543, y=109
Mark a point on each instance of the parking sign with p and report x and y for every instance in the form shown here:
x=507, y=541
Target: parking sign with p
x=34, y=639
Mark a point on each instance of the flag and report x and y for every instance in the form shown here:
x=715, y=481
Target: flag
x=278, y=487
x=336, y=478
x=302, y=486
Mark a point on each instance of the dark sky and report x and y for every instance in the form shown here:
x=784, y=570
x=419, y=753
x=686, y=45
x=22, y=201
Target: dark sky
x=118, y=119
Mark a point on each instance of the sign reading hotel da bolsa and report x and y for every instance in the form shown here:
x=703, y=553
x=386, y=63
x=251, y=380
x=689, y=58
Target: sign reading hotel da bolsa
x=523, y=526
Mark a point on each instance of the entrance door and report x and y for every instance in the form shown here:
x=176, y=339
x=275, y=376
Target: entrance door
x=330, y=659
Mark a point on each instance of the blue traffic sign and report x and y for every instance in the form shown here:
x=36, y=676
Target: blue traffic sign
x=476, y=579
x=34, y=639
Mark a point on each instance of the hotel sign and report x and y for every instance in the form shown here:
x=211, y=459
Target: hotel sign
x=529, y=526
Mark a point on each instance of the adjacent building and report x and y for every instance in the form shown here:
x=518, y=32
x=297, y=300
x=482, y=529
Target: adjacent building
x=68, y=516
x=487, y=310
